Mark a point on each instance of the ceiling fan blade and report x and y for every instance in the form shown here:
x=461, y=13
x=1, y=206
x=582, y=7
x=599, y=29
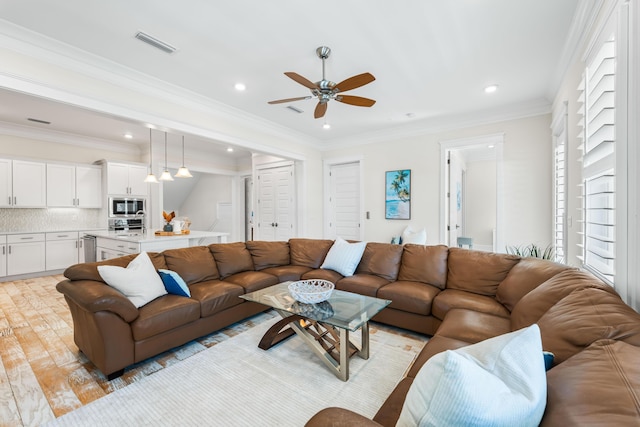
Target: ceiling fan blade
x=303, y=81
x=321, y=108
x=280, y=101
x=354, y=82
x=355, y=100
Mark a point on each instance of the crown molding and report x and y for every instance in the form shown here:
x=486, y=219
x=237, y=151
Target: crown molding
x=58, y=137
x=443, y=124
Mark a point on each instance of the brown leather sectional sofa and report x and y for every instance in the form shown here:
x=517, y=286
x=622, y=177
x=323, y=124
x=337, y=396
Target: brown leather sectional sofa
x=457, y=295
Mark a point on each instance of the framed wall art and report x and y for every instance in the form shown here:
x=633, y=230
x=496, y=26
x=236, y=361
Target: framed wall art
x=397, y=201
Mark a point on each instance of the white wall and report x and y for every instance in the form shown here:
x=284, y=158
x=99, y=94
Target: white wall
x=200, y=206
x=480, y=202
x=527, y=179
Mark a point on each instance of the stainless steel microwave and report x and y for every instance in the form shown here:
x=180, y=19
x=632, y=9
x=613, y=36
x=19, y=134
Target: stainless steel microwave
x=124, y=207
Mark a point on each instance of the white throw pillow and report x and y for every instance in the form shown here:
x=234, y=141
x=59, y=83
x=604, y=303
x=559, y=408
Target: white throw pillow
x=344, y=257
x=139, y=281
x=497, y=382
x=418, y=237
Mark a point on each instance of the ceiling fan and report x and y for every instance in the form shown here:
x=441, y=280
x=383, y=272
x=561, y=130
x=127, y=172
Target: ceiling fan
x=326, y=90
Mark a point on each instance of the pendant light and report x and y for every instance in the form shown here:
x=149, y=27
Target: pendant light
x=183, y=171
x=151, y=177
x=166, y=175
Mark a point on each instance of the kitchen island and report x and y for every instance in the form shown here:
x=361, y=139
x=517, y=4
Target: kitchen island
x=112, y=244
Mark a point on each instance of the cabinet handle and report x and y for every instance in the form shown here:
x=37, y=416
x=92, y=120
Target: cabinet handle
x=26, y=238
x=80, y=244
x=9, y=200
x=15, y=200
x=76, y=244
x=9, y=249
x=62, y=235
x=120, y=246
x=4, y=251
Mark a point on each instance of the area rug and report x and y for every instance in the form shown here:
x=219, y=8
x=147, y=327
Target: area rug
x=234, y=383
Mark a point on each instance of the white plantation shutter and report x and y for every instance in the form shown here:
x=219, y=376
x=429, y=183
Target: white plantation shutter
x=559, y=183
x=598, y=112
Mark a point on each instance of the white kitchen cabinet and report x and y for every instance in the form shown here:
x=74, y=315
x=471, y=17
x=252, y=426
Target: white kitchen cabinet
x=61, y=250
x=25, y=253
x=3, y=256
x=126, y=179
x=74, y=186
x=6, y=191
x=23, y=184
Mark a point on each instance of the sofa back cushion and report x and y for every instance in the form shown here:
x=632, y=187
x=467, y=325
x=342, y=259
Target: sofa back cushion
x=524, y=277
x=231, y=258
x=535, y=303
x=268, y=254
x=427, y=264
x=585, y=316
x=478, y=272
x=308, y=252
x=381, y=259
x=89, y=270
x=194, y=264
x=598, y=386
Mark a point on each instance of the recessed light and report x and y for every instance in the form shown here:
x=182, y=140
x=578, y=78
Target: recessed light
x=229, y=150
x=240, y=87
x=326, y=126
x=128, y=136
x=491, y=88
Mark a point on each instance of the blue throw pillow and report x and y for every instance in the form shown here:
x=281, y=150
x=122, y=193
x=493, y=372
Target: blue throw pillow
x=173, y=283
x=548, y=359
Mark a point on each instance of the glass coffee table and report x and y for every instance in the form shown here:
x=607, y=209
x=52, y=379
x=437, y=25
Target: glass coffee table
x=323, y=326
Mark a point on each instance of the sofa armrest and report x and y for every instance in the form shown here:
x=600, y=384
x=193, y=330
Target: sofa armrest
x=339, y=417
x=95, y=296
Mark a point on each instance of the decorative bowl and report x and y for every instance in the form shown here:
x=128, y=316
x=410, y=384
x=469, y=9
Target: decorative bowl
x=311, y=291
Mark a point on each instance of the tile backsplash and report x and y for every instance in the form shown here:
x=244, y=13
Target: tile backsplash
x=51, y=219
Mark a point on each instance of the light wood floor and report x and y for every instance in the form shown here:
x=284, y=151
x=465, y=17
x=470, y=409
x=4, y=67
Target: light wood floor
x=43, y=375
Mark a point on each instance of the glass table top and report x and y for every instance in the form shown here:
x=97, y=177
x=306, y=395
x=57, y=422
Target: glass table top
x=343, y=309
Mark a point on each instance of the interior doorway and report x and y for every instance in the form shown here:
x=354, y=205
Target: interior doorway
x=472, y=192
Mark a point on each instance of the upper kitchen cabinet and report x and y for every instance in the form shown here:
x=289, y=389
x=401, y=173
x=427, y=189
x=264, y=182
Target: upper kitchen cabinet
x=23, y=184
x=74, y=186
x=126, y=179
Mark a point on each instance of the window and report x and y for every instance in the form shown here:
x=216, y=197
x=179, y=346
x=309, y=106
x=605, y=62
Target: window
x=559, y=127
x=598, y=111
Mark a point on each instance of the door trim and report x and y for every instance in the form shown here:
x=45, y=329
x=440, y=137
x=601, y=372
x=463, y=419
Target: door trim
x=497, y=140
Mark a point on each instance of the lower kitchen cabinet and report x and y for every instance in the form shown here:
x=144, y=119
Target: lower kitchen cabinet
x=3, y=256
x=25, y=253
x=62, y=250
x=109, y=248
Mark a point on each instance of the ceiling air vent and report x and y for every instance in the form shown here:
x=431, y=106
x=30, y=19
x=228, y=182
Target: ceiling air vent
x=44, y=122
x=297, y=110
x=158, y=44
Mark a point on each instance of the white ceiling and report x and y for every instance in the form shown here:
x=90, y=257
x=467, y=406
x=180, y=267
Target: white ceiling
x=431, y=59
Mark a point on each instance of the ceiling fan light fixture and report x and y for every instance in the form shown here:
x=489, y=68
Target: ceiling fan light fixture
x=151, y=178
x=166, y=175
x=183, y=171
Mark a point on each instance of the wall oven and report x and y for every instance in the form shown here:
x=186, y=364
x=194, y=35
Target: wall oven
x=120, y=207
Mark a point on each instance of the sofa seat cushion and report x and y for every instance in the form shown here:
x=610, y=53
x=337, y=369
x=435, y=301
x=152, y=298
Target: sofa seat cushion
x=381, y=259
x=476, y=271
x=287, y=272
x=598, y=386
x=413, y=297
x=215, y=296
x=425, y=264
x=194, y=264
x=231, y=258
x=268, y=254
x=451, y=298
x=435, y=345
x=363, y=284
x=252, y=280
x=585, y=316
x=472, y=326
x=308, y=252
x=534, y=304
x=320, y=273
x=164, y=314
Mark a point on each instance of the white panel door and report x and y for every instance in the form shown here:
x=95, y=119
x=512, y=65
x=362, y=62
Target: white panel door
x=455, y=198
x=276, y=209
x=344, y=202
